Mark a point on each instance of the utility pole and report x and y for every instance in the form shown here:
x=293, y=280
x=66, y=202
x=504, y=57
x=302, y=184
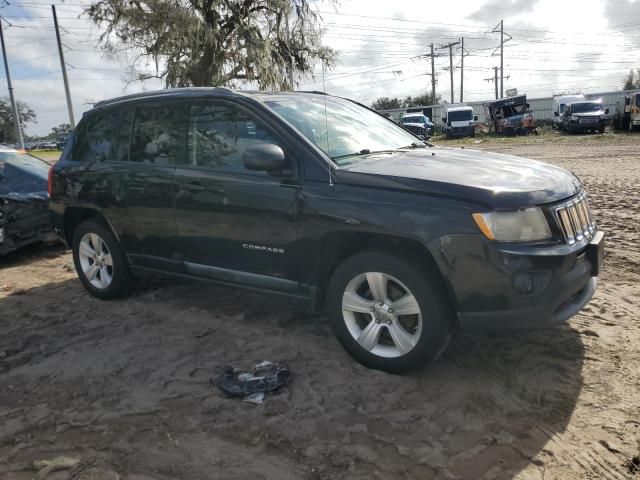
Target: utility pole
x=14, y=107
x=433, y=77
x=501, y=58
x=433, y=73
x=450, y=47
x=495, y=80
x=461, y=69
x=451, y=69
x=502, y=42
x=63, y=65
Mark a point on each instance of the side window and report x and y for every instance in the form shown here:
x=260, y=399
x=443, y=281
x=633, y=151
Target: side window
x=155, y=136
x=96, y=138
x=220, y=134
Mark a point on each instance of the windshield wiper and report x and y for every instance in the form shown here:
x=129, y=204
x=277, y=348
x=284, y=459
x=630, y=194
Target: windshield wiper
x=364, y=151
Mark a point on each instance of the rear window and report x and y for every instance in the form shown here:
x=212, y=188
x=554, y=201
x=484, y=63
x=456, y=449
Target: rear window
x=95, y=142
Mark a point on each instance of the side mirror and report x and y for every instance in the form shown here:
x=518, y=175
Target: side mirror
x=606, y=112
x=556, y=114
x=266, y=157
x=444, y=119
x=475, y=118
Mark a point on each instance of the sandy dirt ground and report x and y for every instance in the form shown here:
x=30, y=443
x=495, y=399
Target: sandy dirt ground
x=123, y=386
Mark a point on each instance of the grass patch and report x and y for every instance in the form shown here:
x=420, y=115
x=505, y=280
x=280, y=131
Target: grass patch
x=48, y=156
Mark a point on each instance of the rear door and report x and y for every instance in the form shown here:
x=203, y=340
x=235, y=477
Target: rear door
x=113, y=169
x=136, y=182
x=234, y=224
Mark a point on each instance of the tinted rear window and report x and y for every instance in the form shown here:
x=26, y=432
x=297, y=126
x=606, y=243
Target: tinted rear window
x=95, y=142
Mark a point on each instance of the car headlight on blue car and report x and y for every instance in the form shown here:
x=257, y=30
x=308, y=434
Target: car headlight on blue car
x=527, y=225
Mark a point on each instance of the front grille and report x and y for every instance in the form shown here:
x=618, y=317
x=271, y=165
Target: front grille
x=588, y=120
x=575, y=219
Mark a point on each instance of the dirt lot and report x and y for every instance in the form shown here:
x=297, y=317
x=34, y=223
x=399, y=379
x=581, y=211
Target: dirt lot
x=123, y=386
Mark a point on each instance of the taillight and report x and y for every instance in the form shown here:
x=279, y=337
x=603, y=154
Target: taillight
x=50, y=182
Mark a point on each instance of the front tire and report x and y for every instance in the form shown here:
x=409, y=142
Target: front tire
x=389, y=313
x=100, y=262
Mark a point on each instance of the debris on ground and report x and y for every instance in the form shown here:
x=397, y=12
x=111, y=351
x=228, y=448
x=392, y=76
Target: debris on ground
x=46, y=467
x=253, y=384
x=633, y=465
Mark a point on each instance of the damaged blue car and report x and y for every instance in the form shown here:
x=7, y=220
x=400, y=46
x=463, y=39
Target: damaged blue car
x=24, y=214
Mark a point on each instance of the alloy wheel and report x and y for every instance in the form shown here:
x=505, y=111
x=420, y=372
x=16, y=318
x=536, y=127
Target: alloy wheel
x=382, y=314
x=95, y=260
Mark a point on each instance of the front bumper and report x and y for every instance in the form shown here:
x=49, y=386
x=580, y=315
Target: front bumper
x=458, y=132
x=32, y=226
x=519, y=287
x=584, y=127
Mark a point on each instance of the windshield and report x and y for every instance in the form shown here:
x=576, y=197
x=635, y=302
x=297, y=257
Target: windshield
x=460, y=115
x=23, y=160
x=586, y=107
x=414, y=119
x=347, y=128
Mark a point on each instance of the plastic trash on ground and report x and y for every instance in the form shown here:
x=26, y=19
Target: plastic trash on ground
x=253, y=384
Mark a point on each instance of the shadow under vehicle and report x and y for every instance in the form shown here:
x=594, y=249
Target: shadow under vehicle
x=24, y=214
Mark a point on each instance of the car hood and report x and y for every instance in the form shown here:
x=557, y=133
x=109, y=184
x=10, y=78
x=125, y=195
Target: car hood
x=495, y=180
x=411, y=124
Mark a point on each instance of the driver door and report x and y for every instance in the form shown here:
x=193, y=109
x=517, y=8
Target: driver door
x=234, y=224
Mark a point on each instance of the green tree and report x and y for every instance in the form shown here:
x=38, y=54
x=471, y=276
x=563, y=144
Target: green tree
x=7, y=127
x=632, y=81
x=421, y=100
x=386, y=103
x=215, y=42
x=62, y=128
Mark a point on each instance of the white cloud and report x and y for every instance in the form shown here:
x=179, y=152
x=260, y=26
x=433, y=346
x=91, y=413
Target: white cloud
x=568, y=45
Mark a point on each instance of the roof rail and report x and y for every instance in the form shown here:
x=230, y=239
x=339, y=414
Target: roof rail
x=160, y=93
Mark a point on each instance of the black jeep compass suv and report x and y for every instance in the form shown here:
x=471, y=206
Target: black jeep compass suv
x=320, y=198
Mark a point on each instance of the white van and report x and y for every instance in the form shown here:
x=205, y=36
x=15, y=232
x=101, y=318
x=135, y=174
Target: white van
x=558, y=105
x=459, y=121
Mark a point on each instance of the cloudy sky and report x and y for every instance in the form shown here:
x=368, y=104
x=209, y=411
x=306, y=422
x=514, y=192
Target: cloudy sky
x=556, y=46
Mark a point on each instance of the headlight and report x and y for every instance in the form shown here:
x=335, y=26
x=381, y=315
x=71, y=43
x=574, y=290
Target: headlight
x=526, y=225
x=575, y=118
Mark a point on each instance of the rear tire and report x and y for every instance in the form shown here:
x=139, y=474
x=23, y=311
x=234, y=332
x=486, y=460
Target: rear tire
x=100, y=261
x=388, y=334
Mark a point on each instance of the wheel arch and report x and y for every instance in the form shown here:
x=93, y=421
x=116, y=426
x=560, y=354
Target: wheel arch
x=74, y=216
x=339, y=246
